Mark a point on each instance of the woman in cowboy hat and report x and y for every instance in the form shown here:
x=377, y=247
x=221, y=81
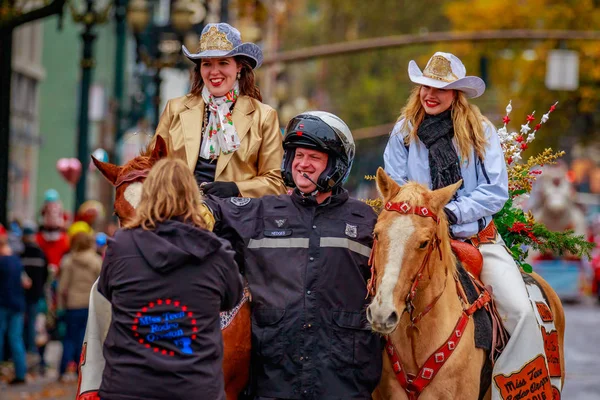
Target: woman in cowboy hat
x=227, y=136
x=439, y=139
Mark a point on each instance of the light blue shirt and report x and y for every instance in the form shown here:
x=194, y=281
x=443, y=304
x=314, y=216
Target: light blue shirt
x=485, y=182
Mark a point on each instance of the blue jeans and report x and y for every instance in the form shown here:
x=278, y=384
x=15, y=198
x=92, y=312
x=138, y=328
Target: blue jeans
x=11, y=322
x=75, y=320
x=32, y=312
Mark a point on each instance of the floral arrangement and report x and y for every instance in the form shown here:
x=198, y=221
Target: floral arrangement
x=518, y=229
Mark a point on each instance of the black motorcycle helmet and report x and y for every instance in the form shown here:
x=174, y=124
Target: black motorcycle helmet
x=324, y=132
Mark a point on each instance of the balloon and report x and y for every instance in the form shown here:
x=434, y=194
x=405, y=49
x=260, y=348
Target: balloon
x=101, y=239
x=99, y=154
x=70, y=169
x=51, y=196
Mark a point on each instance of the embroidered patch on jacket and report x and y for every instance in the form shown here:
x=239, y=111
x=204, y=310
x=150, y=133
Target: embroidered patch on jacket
x=165, y=326
x=280, y=222
x=240, y=201
x=351, y=230
x=530, y=382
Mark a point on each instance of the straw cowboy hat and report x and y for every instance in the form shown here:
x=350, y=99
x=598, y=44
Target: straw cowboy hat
x=223, y=40
x=446, y=71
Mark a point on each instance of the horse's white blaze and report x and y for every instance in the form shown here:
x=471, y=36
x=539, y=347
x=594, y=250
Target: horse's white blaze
x=133, y=194
x=400, y=231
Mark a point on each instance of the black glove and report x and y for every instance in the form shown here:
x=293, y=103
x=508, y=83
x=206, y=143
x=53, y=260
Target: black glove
x=221, y=189
x=452, y=219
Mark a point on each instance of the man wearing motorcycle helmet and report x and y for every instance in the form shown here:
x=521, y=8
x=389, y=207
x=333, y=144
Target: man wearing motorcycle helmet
x=305, y=257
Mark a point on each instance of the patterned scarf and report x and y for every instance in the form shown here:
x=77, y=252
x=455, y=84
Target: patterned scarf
x=219, y=135
x=436, y=133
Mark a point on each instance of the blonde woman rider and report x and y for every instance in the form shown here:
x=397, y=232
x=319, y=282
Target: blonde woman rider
x=439, y=139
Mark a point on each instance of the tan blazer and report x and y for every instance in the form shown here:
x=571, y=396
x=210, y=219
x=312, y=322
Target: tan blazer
x=255, y=167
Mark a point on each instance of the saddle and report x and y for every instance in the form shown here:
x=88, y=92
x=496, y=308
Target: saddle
x=468, y=253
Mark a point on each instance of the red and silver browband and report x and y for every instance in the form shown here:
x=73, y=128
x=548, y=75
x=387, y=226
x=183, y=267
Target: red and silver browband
x=405, y=208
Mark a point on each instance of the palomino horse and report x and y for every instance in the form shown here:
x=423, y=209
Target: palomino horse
x=128, y=180
x=415, y=272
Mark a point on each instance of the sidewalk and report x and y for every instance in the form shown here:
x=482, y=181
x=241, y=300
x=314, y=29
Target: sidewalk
x=42, y=387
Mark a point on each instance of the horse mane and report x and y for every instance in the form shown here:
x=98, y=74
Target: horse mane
x=417, y=195
x=147, y=150
x=142, y=161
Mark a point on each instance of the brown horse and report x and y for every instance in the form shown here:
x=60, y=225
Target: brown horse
x=128, y=180
x=413, y=245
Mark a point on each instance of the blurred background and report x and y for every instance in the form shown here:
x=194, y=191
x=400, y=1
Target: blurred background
x=79, y=77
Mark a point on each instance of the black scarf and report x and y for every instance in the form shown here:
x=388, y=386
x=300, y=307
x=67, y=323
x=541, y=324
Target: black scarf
x=436, y=133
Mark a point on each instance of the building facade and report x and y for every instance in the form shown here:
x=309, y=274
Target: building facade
x=25, y=140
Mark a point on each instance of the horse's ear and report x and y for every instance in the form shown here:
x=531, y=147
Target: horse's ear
x=386, y=186
x=160, y=149
x=442, y=196
x=110, y=171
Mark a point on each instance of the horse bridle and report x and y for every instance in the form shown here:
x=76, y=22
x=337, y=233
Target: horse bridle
x=421, y=211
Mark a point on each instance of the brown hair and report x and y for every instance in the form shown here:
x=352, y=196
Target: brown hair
x=169, y=191
x=467, y=118
x=82, y=241
x=247, y=80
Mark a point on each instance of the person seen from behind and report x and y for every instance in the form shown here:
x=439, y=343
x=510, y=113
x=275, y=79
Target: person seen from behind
x=36, y=266
x=79, y=270
x=12, y=306
x=167, y=277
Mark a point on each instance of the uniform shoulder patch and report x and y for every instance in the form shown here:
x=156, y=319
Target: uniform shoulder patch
x=351, y=230
x=240, y=201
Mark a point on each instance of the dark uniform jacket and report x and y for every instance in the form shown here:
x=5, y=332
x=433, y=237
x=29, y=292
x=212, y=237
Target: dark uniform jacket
x=166, y=287
x=36, y=266
x=307, y=268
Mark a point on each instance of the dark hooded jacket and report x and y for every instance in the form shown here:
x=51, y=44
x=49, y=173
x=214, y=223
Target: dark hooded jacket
x=166, y=287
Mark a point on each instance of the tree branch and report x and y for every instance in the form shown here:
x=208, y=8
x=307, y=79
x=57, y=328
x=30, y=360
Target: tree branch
x=53, y=8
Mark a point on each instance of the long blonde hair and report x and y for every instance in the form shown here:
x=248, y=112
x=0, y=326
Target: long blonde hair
x=466, y=117
x=169, y=191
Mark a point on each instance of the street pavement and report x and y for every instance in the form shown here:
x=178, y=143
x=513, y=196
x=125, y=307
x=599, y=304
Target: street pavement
x=582, y=357
x=42, y=387
x=582, y=351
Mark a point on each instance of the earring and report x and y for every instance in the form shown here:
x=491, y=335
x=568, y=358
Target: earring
x=239, y=75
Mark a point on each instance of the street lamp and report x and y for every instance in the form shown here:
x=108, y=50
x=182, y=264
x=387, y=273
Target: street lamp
x=96, y=12
x=166, y=40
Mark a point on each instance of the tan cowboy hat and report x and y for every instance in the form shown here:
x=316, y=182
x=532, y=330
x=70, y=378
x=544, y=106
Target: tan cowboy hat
x=223, y=40
x=446, y=71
